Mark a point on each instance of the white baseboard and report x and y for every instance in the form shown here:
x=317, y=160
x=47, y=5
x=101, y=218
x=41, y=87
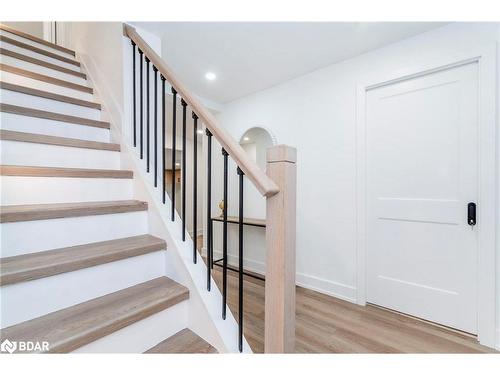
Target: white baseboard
x=328, y=287
x=111, y=110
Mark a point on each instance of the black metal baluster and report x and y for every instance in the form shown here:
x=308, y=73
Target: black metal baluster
x=211, y=244
x=209, y=206
x=174, y=126
x=156, y=126
x=141, y=84
x=240, y=265
x=195, y=185
x=163, y=117
x=224, y=238
x=184, y=169
x=134, y=92
x=147, y=114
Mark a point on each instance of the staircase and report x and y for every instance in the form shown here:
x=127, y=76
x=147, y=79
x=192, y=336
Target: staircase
x=79, y=269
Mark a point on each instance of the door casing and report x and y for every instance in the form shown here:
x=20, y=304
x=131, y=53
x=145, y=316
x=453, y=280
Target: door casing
x=485, y=57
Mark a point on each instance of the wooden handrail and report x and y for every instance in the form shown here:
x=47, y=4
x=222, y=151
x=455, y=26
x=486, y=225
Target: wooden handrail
x=266, y=186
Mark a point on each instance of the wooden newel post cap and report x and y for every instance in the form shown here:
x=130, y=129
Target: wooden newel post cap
x=282, y=153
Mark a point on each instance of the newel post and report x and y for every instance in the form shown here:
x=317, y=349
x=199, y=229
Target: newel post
x=280, y=251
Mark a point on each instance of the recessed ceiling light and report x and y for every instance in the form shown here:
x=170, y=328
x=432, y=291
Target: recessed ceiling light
x=210, y=76
x=246, y=139
x=199, y=131
x=177, y=164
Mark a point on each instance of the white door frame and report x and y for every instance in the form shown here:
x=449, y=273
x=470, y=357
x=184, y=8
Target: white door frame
x=49, y=32
x=485, y=56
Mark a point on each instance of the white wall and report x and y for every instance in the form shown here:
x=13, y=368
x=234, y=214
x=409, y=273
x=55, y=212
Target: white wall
x=498, y=186
x=102, y=49
x=99, y=46
x=317, y=114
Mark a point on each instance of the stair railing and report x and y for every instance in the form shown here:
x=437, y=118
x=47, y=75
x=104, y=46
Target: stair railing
x=278, y=186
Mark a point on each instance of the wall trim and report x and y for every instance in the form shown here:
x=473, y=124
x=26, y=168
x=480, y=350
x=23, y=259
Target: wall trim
x=328, y=287
x=318, y=284
x=263, y=127
x=111, y=108
x=485, y=56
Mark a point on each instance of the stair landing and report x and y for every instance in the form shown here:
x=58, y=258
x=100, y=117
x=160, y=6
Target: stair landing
x=183, y=342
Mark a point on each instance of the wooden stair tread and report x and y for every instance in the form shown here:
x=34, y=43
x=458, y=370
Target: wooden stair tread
x=46, y=78
x=31, y=112
x=28, y=212
x=75, y=326
x=41, y=51
x=12, y=135
x=34, y=266
x=33, y=60
x=36, y=171
x=48, y=95
x=185, y=341
x=36, y=39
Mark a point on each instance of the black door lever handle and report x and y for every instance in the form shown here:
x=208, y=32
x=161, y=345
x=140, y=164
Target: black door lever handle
x=471, y=214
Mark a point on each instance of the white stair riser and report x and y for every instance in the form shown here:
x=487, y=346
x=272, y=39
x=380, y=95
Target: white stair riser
x=17, y=79
x=37, y=190
x=35, y=154
x=36, y=44
x=39, y=235
x=38, y=56
x=31, y=299
x=144, y=334
x=29, y=124
x=23, y=100
x=12, y=61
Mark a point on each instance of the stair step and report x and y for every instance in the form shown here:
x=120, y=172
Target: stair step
x=34, y=266
x=35, y=171
x=11, y=135
x=45, y=78
x=45, y=64
x=24, y=111
x=29, y=212
x=68, y=329
x=19, y=189
x=48, y=95
x=40, y=51
x=53, y=128
x=185, y=341
x=36, y=39
x=42, y=155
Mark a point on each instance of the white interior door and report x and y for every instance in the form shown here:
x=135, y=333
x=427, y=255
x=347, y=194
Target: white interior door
x=421, y=175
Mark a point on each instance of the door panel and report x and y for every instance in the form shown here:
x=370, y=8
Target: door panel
x=421, y=174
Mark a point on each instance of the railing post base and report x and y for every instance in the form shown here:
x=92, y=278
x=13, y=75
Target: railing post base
x=280, y=252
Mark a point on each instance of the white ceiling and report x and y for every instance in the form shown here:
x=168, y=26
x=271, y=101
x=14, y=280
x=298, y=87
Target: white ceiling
x=251, y=56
